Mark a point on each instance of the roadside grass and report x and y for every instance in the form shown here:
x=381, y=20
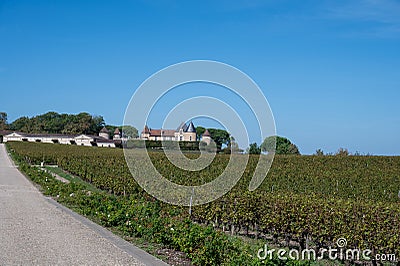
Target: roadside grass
x=60, y=172
x=150, y=247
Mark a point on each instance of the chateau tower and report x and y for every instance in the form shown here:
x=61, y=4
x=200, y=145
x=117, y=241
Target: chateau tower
x=117, y=134
x=104, y=133
x=190, y=134
x=206, y=137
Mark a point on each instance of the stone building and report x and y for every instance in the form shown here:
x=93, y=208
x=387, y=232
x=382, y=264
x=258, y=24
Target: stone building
x=183, y=133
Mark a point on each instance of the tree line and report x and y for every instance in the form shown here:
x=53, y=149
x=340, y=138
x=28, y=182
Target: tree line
x=85, y=123
x=277, y=144
x=55, y=123
x=222, y=137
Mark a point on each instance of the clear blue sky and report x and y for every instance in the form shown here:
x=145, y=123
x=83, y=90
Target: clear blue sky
x=329, y=69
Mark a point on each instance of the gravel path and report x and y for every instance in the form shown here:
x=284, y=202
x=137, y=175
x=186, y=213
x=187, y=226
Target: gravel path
x=35, y=230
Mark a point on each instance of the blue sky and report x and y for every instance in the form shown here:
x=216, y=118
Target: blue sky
x=329, y=69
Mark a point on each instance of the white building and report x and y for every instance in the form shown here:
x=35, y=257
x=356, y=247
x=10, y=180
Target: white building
x=81, y=140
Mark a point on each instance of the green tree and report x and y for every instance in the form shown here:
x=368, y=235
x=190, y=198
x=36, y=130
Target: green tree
x=342, y=152
x=282, y=145
x=319, y=152
x=232, y=147
x=96, y=124
x=22, y=124
x=126, y=131
x=3, y=120
x=130, y=131
x=220, y=136
x=52, y=122
x=77, y=124
x=254, y=149
x=83, y=123
x=199, y=131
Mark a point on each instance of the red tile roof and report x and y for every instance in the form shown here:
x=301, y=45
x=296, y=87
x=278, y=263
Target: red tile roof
x=206, y=133
x=146, y=130
x=104, y=130
x=162, y=132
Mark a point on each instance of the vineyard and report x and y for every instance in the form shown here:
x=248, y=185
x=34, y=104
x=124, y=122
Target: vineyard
x=305, y=201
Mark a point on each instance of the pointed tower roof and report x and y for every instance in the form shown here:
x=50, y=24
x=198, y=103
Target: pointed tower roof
x=182, y=126
x=191, y=128
x=104, y=130
x=206, y=133
x=116, y=131
x=146, y=129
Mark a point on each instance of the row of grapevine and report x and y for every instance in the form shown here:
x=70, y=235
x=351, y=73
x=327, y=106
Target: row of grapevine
x=306, y=199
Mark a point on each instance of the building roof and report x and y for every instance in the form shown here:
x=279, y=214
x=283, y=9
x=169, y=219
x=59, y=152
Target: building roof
x=206, y=133
x=19, y=133
x=34, y=135
x=146, y=129
x=102, y=140
x=104, y=130
x=84, y=136
x=162, y=132
x=168, y=132
x=191, y=128
x=116, y=131
x=155, y=132
x=183, y=126
x=4, y=132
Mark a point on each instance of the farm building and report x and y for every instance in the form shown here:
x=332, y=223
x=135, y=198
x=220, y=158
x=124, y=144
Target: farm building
x=103, y=140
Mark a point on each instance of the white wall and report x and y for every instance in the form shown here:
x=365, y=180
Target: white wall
x=109, y=145
x=83, y=140
x=12, y=137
